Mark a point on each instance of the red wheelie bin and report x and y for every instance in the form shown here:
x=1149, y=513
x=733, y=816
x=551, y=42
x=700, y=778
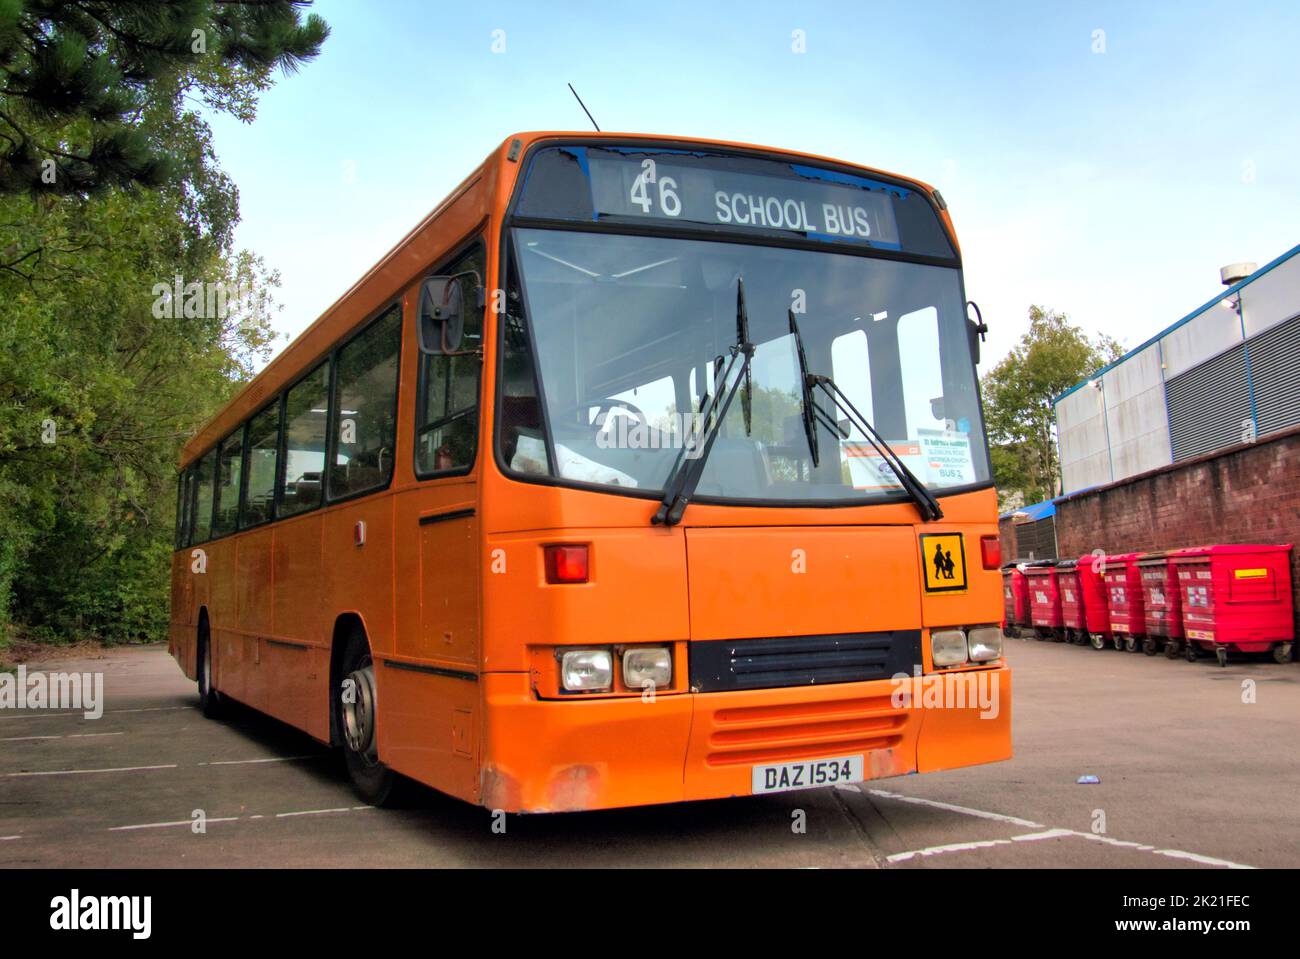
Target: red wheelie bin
x=1237, y=598
x=1015, y=599
x=1162, y=598
x=1124, y=600
x=1074, y=620
x=1090, y=570
x=1044, y=599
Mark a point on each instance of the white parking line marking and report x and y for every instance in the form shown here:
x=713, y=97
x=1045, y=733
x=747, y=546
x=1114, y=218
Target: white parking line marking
x=964, y=810
x=245, y=762
x=164, y=825
x=1046, y=833
x=23, y=739
x=77, y=772
x=7, y=838
x=311, y=812
x=948, y=847
x=979, y=844
x=79, y=713
x=190, y=822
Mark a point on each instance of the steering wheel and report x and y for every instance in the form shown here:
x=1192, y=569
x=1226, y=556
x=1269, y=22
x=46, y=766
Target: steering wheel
x=604, y=407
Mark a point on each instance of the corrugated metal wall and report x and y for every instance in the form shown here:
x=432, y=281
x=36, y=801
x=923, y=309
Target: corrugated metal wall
x=1275, y=371
x=1208, y=404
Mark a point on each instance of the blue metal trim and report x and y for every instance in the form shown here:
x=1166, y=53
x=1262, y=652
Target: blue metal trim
x=1240, y=285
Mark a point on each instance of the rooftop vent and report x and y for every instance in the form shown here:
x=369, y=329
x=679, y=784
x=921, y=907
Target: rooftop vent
x=1236, y=272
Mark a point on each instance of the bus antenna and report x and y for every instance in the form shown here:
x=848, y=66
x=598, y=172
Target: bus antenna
x=584, y=108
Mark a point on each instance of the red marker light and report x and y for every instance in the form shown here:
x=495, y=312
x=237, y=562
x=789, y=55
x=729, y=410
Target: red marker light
x=566, y=563
x=991, y=552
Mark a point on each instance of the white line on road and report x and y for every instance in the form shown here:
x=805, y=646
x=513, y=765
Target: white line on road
x=1047, y=833
x=23, y=739
x=964, y=810
x=81, y=714
x=7, y=838
x=316, y=812
x=190, y=822
x=245, y=762
x=77, y=772
x=163, y=825
x=978, y=844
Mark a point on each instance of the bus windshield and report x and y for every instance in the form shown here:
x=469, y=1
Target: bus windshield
x=623, y=338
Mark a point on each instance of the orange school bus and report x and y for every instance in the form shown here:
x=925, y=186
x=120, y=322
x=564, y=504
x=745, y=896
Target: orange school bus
x=642, y=470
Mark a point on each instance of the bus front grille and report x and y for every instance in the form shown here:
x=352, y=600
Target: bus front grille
x=779, y=661
x=786, y=732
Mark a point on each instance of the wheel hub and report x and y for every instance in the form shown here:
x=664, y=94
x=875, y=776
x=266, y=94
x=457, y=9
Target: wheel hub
x=359, y=712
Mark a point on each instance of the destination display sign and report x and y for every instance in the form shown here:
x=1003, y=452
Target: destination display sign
x=693, y=189
x=659, y=188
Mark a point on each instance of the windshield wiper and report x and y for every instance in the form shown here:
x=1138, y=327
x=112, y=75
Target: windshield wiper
x=926, y=504
x=688, y=468
x=812, y=413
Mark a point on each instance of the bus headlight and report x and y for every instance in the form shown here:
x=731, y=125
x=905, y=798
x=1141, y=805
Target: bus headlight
x=985, y=643
x=587, y=670
x=948, y=647
x=647, y=665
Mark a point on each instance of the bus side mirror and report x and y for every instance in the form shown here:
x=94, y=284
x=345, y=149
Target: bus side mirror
x=975, y=329
x=442, y=314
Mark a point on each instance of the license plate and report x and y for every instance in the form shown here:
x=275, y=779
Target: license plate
x=808, y=774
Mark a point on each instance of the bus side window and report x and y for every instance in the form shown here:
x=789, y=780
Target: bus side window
x=519, y=416
x=203, y=499
x=305, y=409
x=184, y=498
x=447, y=412
x=365, y=407
x=230, y=463
x=263, y=456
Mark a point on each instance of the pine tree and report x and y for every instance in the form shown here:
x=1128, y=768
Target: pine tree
x=79, y=75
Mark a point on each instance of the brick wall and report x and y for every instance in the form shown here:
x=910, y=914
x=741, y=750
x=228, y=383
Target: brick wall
x=1243, y=494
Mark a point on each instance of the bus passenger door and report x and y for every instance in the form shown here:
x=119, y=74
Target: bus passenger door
x=428, y=686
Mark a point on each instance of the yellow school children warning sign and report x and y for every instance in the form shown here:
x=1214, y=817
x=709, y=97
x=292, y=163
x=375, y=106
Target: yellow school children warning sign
x=943, y=558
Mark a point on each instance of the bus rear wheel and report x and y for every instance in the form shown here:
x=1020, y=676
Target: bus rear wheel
x=1172, y=648
x=1098, y=640
x=356, y=711
x=210, y=700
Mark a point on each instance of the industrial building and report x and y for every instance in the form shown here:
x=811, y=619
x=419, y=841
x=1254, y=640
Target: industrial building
x=1225, y=374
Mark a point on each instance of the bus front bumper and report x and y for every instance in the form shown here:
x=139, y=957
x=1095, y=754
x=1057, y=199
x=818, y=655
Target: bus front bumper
x=565, y=756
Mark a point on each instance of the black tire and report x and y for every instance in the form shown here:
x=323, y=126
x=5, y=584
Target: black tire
x=372, y=781
x=211, y=702
x=1098, y=640
x=1172, y=648
x=1282, y=653
x=1150, y=646
x=1192, y=653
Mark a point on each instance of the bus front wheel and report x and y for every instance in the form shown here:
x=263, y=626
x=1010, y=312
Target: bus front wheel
x=356, y=711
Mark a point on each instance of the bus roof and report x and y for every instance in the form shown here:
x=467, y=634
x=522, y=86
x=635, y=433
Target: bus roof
x=486, y=192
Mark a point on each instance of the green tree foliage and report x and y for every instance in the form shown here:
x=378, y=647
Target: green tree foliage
x=80, y=77
x=103, y=371
x=1018, y=393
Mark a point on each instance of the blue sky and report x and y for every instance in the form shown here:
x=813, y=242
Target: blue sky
x=1109, y=185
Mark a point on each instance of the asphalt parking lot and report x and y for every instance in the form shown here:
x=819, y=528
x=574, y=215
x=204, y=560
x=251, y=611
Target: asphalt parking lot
x=1191, y=776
